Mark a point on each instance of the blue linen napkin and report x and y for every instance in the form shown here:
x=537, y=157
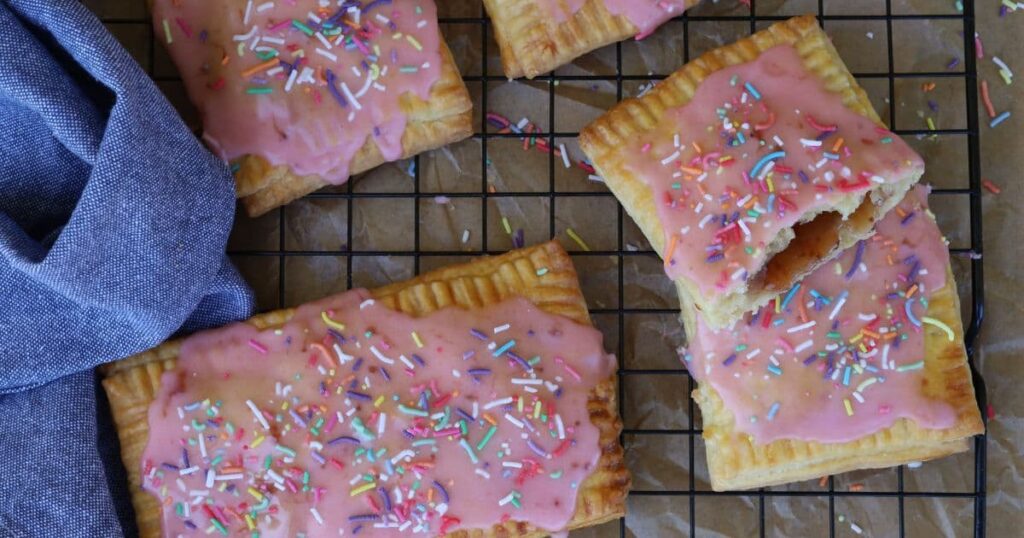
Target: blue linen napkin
x=113, y=225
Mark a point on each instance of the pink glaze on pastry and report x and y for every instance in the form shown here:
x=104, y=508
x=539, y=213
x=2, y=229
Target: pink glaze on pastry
x=646, y=15
x=760, y=146
x=299, y=84
x=357, y=418
x=842, y=355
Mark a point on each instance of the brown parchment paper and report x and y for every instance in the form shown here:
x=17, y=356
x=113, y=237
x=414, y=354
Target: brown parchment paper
x=315, y=232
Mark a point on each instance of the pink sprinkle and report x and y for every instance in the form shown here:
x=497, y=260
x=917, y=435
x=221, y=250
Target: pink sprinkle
x=782, y=342
x=258, y=346
x=280, y=26
x=446, y=432
x=568, y=368
x=978, y=46
x=646, y=148
x=884, y=409
x=184, y=27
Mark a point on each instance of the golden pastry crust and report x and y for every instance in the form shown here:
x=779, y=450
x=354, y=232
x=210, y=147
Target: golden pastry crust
x=533, y=43
x=812, y=242
x=736, y=462
x=444, y=118
x=131, y=383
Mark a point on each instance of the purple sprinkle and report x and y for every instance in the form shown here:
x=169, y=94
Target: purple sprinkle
x=184, y=457
x=170, y=466
x=478, y=334
x=357, y=529
x=364, y=517
x=519, y=360
x=856, y=259
x=334, y=90
x=297, y=418
x=357, y=364
x=359, y=395
x=319, y=459
x=468, y=355
x=933, y=105
x=908, y=218
x=343, y=439
x=384, y=372
x=952, y=64
x=385, y=498
x=479, y=371
x=718, y=256
x=803, y=176
x=203, y=35
x=442, y=491
x=464, y=414
x=189, y=524
x=338, y=337
x=728, y=360
x=536, y=449
x=810, y=359
x=418, y=359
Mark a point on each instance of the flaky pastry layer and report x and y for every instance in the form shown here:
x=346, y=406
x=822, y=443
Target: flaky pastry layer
x=533, y=43
x=131, y=384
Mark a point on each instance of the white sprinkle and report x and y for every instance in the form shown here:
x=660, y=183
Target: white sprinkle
x=188, y=471
x=376, y=352
x=202, y=444
x=838, y=307
x=858, y=397
x=313, y=16
x=705, y=220
x=264, y=6
x=668, y=160
x=914, y=465
x=248, y=11
x=803, y=327
x=229, y=477
x=565, y=155
x=855, y=528
x=806, y=344
x=274, y=71
x=675, y=140
x=351, y=98
x=595, y=178
x=291, y=80
x=274, y=40
x=778, y=141
x=522, y=381
x=483, y=473
x=560, y=425
x=246, y=36
x=316, y=516
x=507, y=499
x=407, y=362
x=866, y=317
x=501, y=328
x=342, y=356
x=329, y=55
x=465, y=236
x=810, y=142
x=885, y=357
x=518, y=423
x=512, y=464
x=754, y=353
x=495, y=403
x=743, y=226
x=259, y=415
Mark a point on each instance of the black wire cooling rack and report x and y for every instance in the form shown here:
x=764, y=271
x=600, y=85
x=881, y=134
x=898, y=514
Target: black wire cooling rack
x=683, y=502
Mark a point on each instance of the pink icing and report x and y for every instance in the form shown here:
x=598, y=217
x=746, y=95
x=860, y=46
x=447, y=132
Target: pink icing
x=366, y=403
x=788, y=377
x=328, y=93
x=722, y=192
x=646, y=15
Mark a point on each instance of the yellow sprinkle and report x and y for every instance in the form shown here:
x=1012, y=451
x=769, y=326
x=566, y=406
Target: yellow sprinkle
x=579, y=241
x=416, y=338
x=857, y=338
x=931, y=124
x=249, y=522
x=413, y=42
x=1006, y=76
x=259, y=440
x=519, y=404
x=849, y=408
x=378, y=401
x=255, y=493
x=330, y=322
x=241, y=49
x=376, y=50
x=397, y=35
x=362, y=489
x=771, y=186
x=941, y=325
x=536, y=409
x=284, y=406
x=508, y=227
x=167, y=32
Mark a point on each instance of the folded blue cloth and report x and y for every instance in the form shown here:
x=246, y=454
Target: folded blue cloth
x=113, y=225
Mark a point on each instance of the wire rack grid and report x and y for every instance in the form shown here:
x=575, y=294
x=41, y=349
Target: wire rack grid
x=688, y=499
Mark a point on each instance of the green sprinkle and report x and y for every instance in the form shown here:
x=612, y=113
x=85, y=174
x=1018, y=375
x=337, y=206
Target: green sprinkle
x=913, y=366
x=305, y=29
x=259, y=90
x=412, y=411
x=408, y=69
x=556, y=474
x=286, y=450
x=542, y=271
x=487, y=437
x=887, y=140
x=469, y=450
x=267, y=461
x=421, y=442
